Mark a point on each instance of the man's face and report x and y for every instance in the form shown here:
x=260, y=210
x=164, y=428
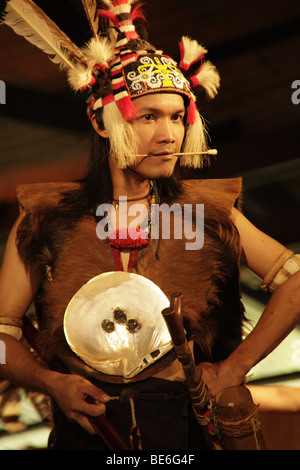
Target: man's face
x=160, y=128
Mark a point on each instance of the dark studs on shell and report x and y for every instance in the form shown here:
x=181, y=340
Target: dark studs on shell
x=120, y=316
x=133, y=325
x=108, y=326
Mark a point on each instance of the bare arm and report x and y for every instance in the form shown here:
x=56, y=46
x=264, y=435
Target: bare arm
x=276, y=398
x=280, y=317
x=17, y=290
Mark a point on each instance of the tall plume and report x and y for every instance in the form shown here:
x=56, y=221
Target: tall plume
x=28, y=20
x=90, y=7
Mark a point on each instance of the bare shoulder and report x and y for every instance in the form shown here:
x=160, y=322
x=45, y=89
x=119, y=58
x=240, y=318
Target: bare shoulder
x=17, y=287
x=259, y=250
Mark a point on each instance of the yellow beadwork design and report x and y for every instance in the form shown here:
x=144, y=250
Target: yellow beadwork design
x=154, y=73
x=164, y=69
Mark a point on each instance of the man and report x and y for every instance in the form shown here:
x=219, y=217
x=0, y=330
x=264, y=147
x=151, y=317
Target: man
x=140, y=124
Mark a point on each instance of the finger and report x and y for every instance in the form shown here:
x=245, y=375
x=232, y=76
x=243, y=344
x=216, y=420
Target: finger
x=91, y=409
x=95, y=393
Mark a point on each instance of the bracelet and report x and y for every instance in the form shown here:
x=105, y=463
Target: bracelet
x=11, y=326
x=285, y=267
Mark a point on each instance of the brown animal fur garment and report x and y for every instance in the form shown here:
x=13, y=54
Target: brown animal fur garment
x=208, y=278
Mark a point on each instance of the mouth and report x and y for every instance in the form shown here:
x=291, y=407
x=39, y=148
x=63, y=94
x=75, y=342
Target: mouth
x=163, y=154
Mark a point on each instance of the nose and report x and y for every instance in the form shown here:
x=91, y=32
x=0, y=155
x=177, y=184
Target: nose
x=165, y=133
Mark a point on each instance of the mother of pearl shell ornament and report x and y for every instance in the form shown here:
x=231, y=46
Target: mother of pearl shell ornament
x=114, y=323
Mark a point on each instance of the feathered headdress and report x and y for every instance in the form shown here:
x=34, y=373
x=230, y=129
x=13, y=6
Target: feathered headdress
x=116, y=65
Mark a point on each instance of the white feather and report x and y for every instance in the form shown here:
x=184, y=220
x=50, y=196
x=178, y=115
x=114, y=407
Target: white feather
x=209, y=78
x=192, y=50
x=99, y=51
x=79, y=77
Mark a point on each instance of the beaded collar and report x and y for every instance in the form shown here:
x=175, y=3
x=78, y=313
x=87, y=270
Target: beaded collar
x=131, y=238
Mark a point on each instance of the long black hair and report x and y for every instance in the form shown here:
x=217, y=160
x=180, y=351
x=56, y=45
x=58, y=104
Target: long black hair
x=40, y=235
x=96, y=185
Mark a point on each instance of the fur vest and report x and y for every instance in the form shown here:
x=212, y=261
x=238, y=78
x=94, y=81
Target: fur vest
x=208, y=277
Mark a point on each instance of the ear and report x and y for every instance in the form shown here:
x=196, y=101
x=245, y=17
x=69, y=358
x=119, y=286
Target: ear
x=98, y=129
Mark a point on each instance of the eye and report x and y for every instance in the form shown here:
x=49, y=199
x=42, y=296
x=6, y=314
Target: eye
x=148, y=117
x=178, y=117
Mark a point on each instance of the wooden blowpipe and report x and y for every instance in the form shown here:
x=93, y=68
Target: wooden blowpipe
x=183, y=154
x=236, y=414
x=193, y=374
x=100, y=423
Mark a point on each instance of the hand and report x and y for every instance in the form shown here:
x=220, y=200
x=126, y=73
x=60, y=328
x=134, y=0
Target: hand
x=70, y=393
x=217, y=377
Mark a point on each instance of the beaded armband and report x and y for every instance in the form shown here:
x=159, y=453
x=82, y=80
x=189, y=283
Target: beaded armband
x=11, y=326
x=285, y=267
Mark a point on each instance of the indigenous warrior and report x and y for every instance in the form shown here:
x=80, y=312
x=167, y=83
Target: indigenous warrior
x=99, y=293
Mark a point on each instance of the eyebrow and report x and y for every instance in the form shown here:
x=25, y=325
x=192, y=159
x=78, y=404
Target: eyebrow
x=149, y=109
